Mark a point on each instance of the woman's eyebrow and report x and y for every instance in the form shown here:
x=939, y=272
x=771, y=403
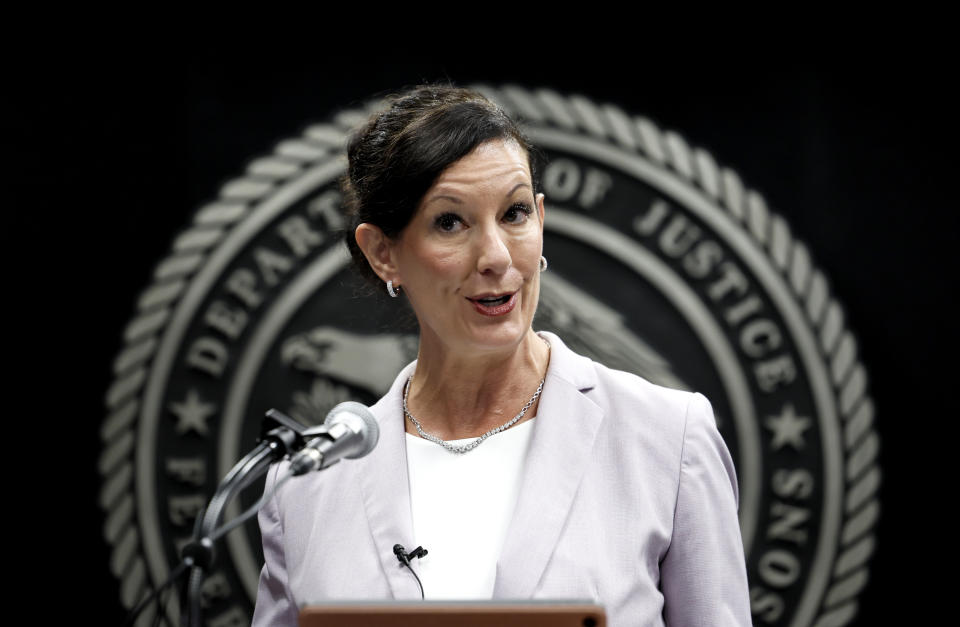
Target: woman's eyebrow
x=518, y=186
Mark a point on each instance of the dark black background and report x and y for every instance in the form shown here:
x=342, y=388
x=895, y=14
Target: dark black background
x=115, y=144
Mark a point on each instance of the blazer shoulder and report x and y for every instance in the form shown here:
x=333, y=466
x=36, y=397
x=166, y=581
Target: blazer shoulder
x=630, y=403
x=647, y=414
x=627, y=389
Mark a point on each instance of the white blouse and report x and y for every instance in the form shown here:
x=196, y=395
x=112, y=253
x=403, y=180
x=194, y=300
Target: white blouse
x=462, y=505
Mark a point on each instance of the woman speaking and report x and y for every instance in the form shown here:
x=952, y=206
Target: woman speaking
x=526, y=470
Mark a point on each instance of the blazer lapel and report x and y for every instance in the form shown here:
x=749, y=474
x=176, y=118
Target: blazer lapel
x=567, y=425
x=386, y=490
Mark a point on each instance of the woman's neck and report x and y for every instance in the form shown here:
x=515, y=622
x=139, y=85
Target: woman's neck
x=454, y=396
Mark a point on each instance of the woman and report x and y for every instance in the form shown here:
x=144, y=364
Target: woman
x=526, y=470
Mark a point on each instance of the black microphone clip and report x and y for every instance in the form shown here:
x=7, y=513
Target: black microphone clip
x=403, y=557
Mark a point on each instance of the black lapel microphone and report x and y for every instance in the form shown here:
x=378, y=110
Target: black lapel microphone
x=404, y=558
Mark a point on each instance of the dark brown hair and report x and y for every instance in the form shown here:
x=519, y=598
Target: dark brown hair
x=400, y=152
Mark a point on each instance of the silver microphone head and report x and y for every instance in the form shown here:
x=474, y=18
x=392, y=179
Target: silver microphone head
x=359, y=419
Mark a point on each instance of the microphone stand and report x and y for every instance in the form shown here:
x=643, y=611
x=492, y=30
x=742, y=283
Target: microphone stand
x=198, y=555
x=201, y=549
x=350, y=431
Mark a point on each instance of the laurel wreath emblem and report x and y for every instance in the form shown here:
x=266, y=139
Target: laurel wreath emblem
x=325, y=142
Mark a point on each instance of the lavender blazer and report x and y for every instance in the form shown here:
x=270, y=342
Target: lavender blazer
x=628, y=498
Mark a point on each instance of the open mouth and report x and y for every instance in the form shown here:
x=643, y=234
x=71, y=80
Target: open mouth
x=495, y=305
x=493, y=301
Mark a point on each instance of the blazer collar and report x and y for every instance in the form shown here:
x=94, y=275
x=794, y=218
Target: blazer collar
x=578, y=371
x=560, y=449
x=385, y=486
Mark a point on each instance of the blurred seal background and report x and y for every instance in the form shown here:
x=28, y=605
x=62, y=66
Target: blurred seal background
x=114, y=144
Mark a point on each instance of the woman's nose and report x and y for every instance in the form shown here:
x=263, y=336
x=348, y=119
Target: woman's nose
x=493, y=255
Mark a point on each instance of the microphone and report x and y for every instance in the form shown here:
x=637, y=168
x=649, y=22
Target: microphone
x=349, y=431
x=403, y=557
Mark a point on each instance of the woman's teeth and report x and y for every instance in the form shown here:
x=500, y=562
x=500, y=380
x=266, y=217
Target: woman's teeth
x=495, y=305
x=494, y=301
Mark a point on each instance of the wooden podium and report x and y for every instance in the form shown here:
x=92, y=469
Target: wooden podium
x=453, y=613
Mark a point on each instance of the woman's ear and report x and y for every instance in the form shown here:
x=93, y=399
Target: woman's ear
x=378, y=250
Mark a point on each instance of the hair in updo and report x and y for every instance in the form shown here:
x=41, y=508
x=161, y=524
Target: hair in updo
x=398, y=154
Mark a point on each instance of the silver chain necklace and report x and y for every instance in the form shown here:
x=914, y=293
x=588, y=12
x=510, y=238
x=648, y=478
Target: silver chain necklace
x=460, y=449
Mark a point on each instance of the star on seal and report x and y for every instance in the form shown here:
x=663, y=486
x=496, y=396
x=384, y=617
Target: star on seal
x=787, y=428
x=192, y=414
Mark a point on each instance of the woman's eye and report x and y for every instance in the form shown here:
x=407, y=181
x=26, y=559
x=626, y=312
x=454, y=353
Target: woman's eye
x=447, y=222
x=517, y=213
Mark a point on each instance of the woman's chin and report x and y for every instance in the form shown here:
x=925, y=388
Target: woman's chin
x=504, y=336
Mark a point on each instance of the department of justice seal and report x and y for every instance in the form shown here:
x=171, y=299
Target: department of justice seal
x=661, y=263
